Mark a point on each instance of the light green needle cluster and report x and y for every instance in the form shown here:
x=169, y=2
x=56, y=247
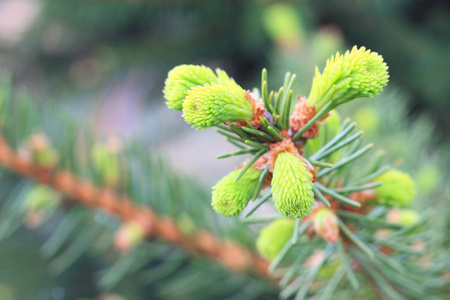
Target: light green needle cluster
x=333, y=122
x=213, y=104
x=356, y=74
x=183, y=78
x=291, y=186
x=273, y=237
x=397, y=190
x=225, y=79
x=229, y=198
x=327, y=130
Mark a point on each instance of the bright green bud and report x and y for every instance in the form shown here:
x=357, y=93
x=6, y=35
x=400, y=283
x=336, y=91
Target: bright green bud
x=397, y=189
x=327, y=130
x=105, y=158
x=273, y=237
x=357, y=73
x=213, y=104
x=41, y=198
x=405, y=217
x=291, y=186
x=409, y=217
x=229, y=198
x=183, y=78
x=284, y=25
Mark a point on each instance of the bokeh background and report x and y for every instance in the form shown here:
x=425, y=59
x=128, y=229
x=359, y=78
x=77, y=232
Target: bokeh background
x=106, y=61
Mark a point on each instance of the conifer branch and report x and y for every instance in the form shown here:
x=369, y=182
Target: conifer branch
x=228, y=253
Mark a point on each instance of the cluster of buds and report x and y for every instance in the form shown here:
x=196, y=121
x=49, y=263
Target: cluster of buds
x=276, y=133
x=287, y=141
x=304, y=154
x=208, y=99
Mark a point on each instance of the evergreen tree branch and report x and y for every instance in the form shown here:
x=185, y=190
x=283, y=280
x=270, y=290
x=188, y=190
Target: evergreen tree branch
x=228, y=253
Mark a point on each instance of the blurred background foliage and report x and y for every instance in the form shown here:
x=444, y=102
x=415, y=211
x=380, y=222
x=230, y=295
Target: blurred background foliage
x=106, y=60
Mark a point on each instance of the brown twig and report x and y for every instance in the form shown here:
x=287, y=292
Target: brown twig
x=228, y=253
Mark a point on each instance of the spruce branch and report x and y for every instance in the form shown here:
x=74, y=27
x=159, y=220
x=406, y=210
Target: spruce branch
x=228, y=253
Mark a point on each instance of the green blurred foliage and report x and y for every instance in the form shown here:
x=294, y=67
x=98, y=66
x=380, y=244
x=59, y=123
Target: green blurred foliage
x=84, y=43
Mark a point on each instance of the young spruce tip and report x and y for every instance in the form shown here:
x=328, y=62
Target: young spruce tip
x=297, y=147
